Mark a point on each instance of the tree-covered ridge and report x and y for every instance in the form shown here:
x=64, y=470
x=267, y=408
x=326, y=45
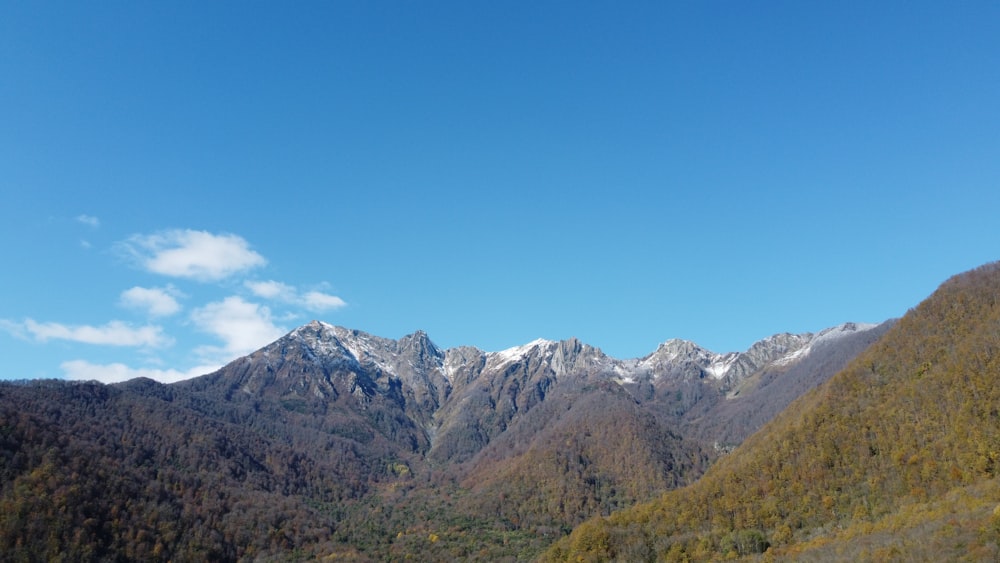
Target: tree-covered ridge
x=331, y=443
x=156, y=473
x=591, y=454
x=906, y=439
x=90, y=472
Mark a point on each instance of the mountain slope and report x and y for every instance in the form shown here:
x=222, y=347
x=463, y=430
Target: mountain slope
x=334, y=442
x=92, y=472
x=592, y=450
x=910, y=429
x=767, y=391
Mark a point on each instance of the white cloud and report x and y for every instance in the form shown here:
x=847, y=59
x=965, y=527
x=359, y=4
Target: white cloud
x=156, y=301
x=114, y=333
x=319, y=301
x=82, y=370
x=198, y=255
x=242, y=326
x=13, y=328
x=315, y=301
x=89, y=220
x=271, y=290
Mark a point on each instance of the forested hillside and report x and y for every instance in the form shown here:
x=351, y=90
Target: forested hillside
x=894, y=458
x=331, y=442
x=93, y=472
x=144, y=472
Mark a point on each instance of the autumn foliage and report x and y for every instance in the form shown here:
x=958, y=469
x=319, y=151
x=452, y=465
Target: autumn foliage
x=282, y=457
x=896, y=457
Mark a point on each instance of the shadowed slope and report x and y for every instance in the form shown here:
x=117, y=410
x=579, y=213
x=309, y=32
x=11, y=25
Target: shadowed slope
x=591, y=450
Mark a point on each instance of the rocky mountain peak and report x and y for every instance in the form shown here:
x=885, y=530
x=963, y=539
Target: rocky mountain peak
x=419, y=347
x=776, y=348
x=317, y=341
x=536, y=349
x=574, y=356
x=678, y=358
x=676, y=348
x=432, y=373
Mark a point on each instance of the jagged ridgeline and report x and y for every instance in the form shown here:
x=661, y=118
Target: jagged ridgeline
x=331, y=442
x=894, y=458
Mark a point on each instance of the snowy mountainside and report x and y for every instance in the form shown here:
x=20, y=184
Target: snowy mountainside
x=449, y=405
x=416, y=355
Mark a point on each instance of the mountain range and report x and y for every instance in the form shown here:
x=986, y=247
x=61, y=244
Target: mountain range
x=332, y=441
x=450, y=405
x=860, y=442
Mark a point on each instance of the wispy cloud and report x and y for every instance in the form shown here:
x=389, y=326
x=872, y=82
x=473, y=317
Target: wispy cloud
x=272, y=290
x=15, y=329
x=82, y=370
x=114, y=333
x=315, y=301
x=197, y=255
x=319, y=301
x=242, y=326
x=89, y=220
x=156, y=301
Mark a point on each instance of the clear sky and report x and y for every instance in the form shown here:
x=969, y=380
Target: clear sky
x=183, y=182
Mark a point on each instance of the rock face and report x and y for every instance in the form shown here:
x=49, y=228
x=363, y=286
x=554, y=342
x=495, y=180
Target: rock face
x=558, y=431
x=455, y=402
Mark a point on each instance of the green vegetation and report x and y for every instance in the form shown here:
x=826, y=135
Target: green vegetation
x=896, y=455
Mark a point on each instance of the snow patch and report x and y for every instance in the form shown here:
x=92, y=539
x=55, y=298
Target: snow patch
x=720, y=366
x=826, y=335
x=625, y=371
x=451, y=367
x=794, y=356
x=363, y=350
x=840, y=331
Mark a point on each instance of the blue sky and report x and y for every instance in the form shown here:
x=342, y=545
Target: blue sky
x=183, y=182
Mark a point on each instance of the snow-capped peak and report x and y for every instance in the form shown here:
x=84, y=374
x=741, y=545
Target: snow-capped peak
x=677, y=351
x=319, y=337
x=415, y=354
x=517, y=352
x=327, y=342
